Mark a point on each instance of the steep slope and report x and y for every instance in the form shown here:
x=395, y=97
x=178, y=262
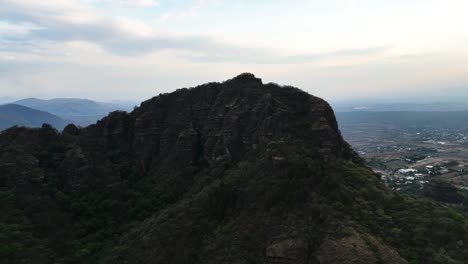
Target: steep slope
x=80, y=111
x=17, y=115
x=232, y=172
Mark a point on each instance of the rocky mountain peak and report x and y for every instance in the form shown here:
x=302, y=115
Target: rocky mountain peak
x=245, y=77
x=224, y=121
x=231, y=172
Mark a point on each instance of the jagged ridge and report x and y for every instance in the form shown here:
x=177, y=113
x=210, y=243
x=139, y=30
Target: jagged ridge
x=232, y=172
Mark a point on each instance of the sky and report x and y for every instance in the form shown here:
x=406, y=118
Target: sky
x=135, y=49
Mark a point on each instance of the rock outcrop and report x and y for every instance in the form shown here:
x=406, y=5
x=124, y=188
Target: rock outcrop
x=357, y=249
x=232, y=172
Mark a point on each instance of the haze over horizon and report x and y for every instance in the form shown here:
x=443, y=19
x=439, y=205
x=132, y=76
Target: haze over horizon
x=133, y=50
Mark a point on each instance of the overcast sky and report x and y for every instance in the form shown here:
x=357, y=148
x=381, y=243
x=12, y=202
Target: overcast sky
x=136, y=49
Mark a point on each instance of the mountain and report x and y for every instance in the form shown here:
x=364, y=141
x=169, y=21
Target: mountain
x=80, y=111
x=7, y=99
x=232, y=172
x=17, y=115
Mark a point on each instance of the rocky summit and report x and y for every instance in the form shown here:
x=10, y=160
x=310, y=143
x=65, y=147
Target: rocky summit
x=234, y=172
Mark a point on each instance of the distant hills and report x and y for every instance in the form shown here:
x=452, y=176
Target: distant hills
x=80, y=111
x=18, y=115
x=58, y=112
x=427, y=111
x=404, y=119
x=447, y=100
x=409, y=106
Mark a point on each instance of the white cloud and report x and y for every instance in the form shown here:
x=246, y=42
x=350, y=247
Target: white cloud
x=59, y=20
x=64, y=21
x=192, y=11
x=134, y=3
x=337, y=50
x=14, y=30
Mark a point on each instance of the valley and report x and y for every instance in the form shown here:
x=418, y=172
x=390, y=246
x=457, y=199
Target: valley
x=407, y=157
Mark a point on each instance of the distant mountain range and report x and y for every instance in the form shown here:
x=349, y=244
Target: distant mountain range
x=83, y=112
x=80, y=111
x=18, y=115
x=413, y=106
x=404, y=119
x=33, y=112
x=445, y=100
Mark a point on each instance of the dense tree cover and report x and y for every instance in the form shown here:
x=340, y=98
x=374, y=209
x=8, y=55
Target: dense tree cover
x=222, y=173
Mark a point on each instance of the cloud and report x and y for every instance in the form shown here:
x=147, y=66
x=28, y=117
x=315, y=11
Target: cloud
x=189, y=12
x=59, y=20
x=134, y=3
x=14, y=30
x=262, y=56
x=32, y=22
x=45, y=13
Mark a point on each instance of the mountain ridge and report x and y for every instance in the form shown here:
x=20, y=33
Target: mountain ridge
x=82, y=112
x=232, y=172
x=18, y=115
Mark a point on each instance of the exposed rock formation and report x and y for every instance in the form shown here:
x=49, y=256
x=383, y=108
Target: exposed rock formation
x=357, y=249
x=232, y=172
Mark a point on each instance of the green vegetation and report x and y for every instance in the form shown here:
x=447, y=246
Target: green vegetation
x=423, y=231
x=173, y=182
x=346, y=197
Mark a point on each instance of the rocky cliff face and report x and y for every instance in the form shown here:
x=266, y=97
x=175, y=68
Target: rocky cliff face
x=232, y=172
x=221, y=122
